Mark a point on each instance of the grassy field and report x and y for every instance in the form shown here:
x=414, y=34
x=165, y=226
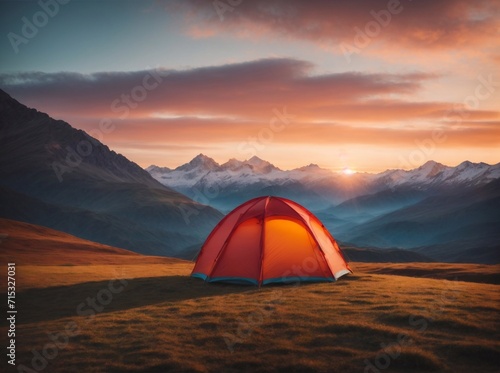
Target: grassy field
x=147, y=315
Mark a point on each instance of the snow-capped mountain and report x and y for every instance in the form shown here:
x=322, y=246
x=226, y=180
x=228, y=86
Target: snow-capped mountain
x=224, y=186
x=200, y=162
x=433, y=174
x=231, y=183
x=204, y=173
x=205, y=168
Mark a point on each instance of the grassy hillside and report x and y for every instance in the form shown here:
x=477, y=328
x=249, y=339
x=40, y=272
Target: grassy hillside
x=147, y=315
x=31, y=244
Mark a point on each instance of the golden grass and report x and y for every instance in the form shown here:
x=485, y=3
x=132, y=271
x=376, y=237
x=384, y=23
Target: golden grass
x=171, y=322
x=450, y=271
x=165, y=321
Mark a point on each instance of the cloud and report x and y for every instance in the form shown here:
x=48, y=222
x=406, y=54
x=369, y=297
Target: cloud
x=234, y=103
x=242, y=90
x=165, y=133
x=419, y=25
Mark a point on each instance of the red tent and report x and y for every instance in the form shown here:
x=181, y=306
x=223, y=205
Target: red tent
x=268, y=240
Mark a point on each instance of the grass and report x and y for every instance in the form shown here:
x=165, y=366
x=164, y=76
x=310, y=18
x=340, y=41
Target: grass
x=165, y=321
x=176, y=323
x=450, y=271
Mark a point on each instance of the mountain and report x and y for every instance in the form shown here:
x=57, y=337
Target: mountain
x=227, y=185
x=433, y=174
x=199, y=163
x=230, y=184
x=460, y=225
x=57, y=176
x=446, y=213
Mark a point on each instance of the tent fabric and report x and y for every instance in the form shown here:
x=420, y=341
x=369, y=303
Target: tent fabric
x=270, y=240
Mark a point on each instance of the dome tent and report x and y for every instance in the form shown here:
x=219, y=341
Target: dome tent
x=269, y=240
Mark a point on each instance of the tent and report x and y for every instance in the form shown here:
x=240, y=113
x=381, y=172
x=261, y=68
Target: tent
x=269, y=240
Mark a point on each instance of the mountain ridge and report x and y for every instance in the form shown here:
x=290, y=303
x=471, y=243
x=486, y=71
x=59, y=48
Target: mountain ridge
x=322, y=186
x=103, y=196
x=434, y=166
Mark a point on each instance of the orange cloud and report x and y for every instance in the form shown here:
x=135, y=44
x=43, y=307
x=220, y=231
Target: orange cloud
x=423, y=25
x=192, y=132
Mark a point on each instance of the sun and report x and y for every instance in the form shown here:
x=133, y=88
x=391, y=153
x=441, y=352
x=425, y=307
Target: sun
x=347, y=171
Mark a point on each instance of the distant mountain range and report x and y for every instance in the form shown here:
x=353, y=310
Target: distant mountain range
x=446, y=213
x=226, y=185
x=54, y=175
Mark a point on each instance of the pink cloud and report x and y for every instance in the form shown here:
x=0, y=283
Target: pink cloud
x=243, y=90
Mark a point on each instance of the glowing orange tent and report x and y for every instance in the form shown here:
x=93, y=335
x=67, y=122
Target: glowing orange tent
x=268, y=240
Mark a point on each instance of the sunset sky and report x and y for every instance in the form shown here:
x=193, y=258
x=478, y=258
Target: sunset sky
x=383, y=84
